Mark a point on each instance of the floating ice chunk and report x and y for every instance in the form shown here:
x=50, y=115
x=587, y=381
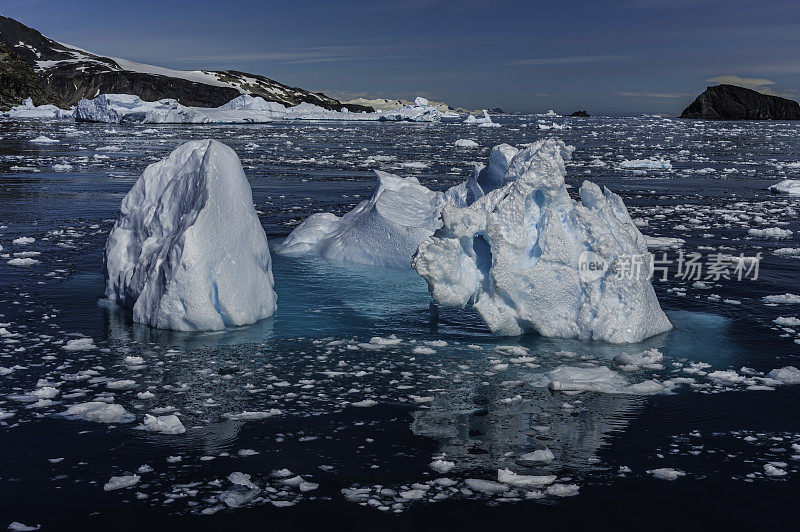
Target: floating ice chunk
x=539, y=455
x=592, y=379
x=126, y=481
x=774, y=471
x=79, y=344
x=442, y=466
x=42, y=112
x=651, y=164
x=650, y=359
x=99, y=412
x=563, y=490
x=771, y=232
x=485, y=120
x=169, y=424
x=791, y=299
x=519, y=256
x=666, y=473
x=22, y=261
x=188, y=251
x=23, y=241
x=664, y=242
x=250, y=416
x=41, y=139
x=466, y=143
x=787, y=186
x=787, y=375
x=486, y=486
x=242, y=479
x=506, y=476
x=16, y=526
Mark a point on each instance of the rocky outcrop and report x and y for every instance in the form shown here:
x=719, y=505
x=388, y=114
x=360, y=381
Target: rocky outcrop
x=582, y=114
x=67, y=74
x=729, y=102
x=18, y=81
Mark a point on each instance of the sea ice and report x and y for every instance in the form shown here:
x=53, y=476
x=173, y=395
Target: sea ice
x=188, y=251
x=666, y=473
x=520, y=254
x=126, y=481
x=787, y=186
x=99, y=412
x=650, y=164
x=169, y=424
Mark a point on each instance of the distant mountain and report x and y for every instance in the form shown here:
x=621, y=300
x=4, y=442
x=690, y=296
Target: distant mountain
x=729, y=102
x=66, y=74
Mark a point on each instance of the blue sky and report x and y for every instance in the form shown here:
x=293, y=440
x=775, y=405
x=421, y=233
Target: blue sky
x=616, y=57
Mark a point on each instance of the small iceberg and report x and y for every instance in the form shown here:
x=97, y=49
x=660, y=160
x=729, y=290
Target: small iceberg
x=529, y=258
x=188, y=251
x=40, y=112
x=484, y=121
x=787, y=186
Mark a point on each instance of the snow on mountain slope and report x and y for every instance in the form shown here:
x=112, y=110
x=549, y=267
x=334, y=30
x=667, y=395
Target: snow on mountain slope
x=72, y=74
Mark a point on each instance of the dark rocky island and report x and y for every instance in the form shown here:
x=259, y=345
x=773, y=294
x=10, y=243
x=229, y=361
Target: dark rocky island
x=582, y=114
x=47, y=71
x=729, y=102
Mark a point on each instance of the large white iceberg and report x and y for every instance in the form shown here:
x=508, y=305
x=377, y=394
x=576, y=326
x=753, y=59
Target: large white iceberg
x=188, y=251
x=518, y=256
x=387, y=228
x=42, y=112
x=244, y=109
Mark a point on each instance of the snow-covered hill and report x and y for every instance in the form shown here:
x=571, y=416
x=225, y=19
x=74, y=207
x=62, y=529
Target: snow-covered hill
x=70, y=74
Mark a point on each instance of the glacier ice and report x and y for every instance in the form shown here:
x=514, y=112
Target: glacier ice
x=188, y=251
x=383, y=230
x=244, y=109
x=387, y=228
x=516, y=255
x=787, y=186
x=42, y=112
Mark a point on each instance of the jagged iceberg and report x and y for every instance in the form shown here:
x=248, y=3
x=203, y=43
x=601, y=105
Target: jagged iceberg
x=518, y=256
x=484, y=121
x=188, y=251
x=244, y=109
x=384, y=230
x=42, y=112
x=387, y=228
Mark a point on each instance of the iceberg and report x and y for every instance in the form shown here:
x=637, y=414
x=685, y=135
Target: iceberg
x=484, y=121
x=42, y=112
x=188, y=251
x=384, y=230
x=787, y=186
x=528, y=258
x=127, y=108
x=244, y=109
x=387, y=228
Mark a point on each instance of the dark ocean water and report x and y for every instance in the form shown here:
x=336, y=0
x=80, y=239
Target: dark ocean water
x=471, y=402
